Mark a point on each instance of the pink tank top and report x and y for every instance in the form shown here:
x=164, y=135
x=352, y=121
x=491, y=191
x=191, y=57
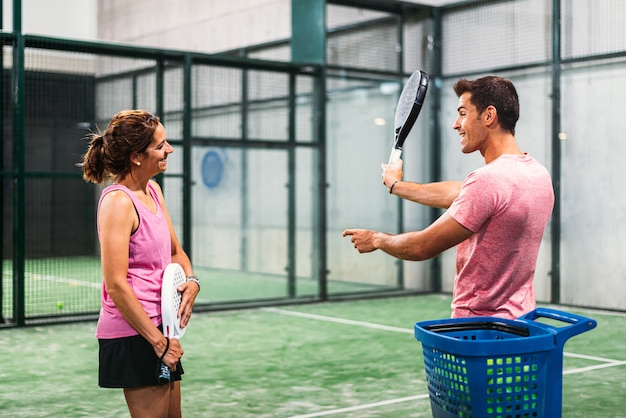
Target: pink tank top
x=149, y=253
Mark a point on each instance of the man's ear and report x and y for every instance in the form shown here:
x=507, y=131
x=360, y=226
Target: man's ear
x=491, y=115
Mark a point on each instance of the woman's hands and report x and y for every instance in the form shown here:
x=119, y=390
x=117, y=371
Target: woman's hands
x=189, y=290
x=169, y=352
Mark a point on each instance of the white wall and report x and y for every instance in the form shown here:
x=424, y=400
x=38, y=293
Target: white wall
x=75, y=19
x=192, y=25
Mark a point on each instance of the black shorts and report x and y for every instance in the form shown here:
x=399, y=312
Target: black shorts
x=130, y=362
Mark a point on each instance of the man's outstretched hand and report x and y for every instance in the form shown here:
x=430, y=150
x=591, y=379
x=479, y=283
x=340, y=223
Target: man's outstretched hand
x=363, y=239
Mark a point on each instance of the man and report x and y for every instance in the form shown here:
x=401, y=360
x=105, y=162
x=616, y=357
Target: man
x=496, y=217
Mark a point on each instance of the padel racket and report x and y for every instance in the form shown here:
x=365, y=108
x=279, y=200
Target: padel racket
x=173, y=277
x=409, y=106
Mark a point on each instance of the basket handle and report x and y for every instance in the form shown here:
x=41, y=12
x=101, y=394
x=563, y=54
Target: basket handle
x=578, y=323
x=478, y=326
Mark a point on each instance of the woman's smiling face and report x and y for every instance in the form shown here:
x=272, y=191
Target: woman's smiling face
x=155, y=156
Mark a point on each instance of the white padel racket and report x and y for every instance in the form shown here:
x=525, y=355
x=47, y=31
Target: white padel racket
x=173, y=277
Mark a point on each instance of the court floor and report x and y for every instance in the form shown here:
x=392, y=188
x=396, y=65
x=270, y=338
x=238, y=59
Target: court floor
x=352, y=359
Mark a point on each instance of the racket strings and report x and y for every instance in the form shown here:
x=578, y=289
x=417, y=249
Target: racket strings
x=179, y=279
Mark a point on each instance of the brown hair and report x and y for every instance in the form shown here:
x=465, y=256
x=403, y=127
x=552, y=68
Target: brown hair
x=108, y=155
x=493, y=91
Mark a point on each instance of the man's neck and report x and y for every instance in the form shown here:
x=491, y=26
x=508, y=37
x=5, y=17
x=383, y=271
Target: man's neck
x=501, y=145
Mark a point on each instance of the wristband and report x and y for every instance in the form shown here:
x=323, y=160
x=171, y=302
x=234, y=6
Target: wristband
x=391, y=188
x=195, y=280
x=167, y=347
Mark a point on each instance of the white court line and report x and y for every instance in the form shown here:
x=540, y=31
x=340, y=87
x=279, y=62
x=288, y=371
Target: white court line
x=598, y=366
x=593, y=358
x=611, y=362
x=337, y=320
x=72, y=282
x=606, y=362
x=359, y=407
x=590, y=311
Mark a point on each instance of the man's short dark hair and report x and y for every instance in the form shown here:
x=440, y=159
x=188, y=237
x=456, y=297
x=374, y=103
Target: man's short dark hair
x=493, y=91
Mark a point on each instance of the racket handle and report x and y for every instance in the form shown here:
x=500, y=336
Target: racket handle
x=395, y=155
x=164, y=374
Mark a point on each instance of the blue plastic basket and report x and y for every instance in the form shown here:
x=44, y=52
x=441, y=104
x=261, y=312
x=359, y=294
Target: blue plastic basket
x=488, y=367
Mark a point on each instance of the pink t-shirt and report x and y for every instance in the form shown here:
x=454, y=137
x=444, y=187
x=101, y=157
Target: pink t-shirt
x=507, y=204
x=149, y=253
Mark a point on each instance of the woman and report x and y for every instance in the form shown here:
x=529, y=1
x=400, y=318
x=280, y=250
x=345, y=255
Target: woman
x=137, y=242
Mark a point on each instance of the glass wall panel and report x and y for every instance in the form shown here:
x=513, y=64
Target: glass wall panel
x=360, y=116
x=240, y=230
x=592, y=263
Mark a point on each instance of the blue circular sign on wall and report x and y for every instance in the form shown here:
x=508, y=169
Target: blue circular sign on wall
x=212, y=169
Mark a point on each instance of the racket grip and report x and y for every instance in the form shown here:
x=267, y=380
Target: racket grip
x=395, y=155
x=164, y=374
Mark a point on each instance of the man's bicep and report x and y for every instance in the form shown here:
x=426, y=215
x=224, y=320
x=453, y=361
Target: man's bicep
x=445, y=233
